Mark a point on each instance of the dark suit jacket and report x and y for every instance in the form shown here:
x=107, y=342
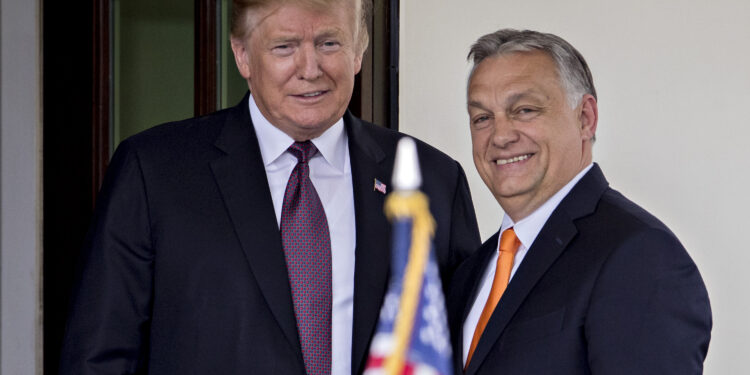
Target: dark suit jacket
x=183, y=270
x=604, y=289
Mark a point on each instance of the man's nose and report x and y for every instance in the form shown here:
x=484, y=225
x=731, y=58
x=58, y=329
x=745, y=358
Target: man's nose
x=308, y=64
x=504, y=132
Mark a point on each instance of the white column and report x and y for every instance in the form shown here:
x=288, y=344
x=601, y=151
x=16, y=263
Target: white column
x=20, y=187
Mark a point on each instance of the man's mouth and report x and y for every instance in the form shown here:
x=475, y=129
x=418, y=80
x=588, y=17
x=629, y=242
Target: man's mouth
x=313, y=94
x=513, y=159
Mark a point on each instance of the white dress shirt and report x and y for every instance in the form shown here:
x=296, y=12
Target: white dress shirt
x=526, y=230
x=330, y=172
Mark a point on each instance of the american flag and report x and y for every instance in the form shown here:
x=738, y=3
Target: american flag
x=412, y=335
x=379, y=186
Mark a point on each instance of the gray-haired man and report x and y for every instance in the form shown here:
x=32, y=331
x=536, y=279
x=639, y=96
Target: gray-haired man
x=578, y=280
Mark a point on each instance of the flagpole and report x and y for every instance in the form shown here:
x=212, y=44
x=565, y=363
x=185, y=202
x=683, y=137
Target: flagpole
x=412, y=335
x=407, y=202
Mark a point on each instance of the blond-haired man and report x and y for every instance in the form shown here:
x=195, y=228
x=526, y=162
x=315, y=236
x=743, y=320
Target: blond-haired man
x=253, y=240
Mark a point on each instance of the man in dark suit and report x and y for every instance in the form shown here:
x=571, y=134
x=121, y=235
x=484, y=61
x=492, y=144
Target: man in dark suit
x=579, y=280
x=193, y=264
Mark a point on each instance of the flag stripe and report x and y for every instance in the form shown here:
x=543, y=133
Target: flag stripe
x=412, y=334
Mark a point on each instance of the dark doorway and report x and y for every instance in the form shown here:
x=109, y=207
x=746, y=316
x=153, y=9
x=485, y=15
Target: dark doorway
x=78, y=116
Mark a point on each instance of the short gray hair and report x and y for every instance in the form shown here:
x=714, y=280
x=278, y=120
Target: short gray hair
x=572, y=69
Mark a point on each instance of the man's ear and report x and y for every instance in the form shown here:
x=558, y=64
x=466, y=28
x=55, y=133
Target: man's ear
x=358, y=63
x=241, y=57
x=588, y=117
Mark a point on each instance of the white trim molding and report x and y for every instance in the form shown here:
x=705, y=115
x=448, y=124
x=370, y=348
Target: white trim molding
x=20, y=188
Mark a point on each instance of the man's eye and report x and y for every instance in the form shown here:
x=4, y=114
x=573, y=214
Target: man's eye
x=480, y=121
x=330, y=45
x=526, y=113
x=282, y=49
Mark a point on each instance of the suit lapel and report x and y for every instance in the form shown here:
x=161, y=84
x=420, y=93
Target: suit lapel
x=241, y=177
x=471, y=273
x=372, y=254
x=552, y=240
x=487, y=249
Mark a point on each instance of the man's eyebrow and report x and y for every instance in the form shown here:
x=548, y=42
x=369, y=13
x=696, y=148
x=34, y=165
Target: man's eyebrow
x=284, y=39
x=510, y=100
x=476, y=104
x=329, y=33
x=528, y=94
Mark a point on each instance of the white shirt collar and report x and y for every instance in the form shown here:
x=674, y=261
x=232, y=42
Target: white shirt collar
x=529, y=227
x=274, y=142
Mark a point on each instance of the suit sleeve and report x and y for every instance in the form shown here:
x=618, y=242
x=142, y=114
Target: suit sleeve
x=649, y=311
x=464, y=239
x=108, y=324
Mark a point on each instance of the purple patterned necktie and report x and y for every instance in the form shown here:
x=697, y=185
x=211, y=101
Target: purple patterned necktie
x=307, y=250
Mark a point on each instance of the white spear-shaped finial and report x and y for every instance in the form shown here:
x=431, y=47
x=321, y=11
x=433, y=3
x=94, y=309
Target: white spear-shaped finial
x=406, y=173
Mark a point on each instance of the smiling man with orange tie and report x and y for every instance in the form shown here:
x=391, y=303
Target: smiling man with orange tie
x=579, y=280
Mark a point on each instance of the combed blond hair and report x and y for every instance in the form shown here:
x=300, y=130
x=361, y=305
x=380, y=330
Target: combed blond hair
x=241, y=20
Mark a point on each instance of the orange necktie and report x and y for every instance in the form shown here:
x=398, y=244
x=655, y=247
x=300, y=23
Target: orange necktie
x=508, y=246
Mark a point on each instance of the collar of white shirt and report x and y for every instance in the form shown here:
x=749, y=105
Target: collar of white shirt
x=526, y=230
x=274, y=142
x=529, y=227
x=330, y=172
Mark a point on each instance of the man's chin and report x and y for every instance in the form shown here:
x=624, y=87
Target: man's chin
x=511, y=192
x=304, y=129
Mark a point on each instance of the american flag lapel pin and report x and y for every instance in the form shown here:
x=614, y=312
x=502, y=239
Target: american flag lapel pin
x=379, y=186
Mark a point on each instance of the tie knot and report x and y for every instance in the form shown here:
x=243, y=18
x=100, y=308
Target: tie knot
x=303, y=150
x=509, y=241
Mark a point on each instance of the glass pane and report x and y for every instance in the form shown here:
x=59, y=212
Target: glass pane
x=231, y=86
x=152, y=64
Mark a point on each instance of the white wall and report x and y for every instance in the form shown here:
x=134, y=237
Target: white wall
x=673, y=78
x=20, y=188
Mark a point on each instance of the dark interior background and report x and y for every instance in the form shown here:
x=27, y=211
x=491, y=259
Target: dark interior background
x=76, y=121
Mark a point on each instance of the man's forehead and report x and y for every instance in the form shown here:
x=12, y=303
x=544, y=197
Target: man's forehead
x=518, y=63
x=516, y=76
x=291, y=30
x=486, y=95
